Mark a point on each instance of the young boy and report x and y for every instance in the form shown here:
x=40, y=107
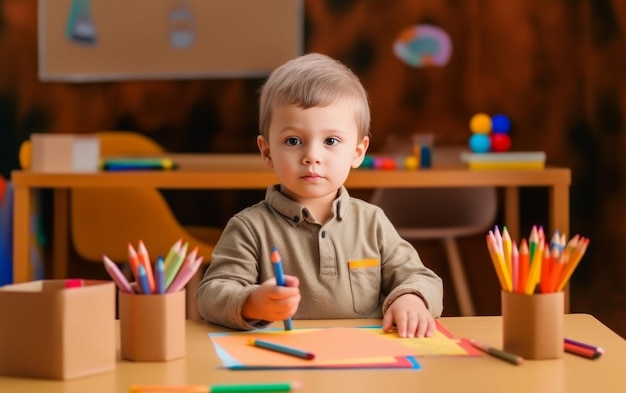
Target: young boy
x=341, y=256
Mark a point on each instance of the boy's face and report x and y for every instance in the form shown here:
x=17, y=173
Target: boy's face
x=312, y=150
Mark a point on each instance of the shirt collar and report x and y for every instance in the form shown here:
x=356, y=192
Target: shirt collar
x=296, y=213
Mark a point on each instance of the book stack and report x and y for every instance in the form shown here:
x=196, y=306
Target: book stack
x=505, y=160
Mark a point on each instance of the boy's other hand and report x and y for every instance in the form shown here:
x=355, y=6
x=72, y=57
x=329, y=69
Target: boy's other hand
x=270, y=302
x=410, y=316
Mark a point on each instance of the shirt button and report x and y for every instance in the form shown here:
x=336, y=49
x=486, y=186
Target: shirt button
x=296, y=219
x=323, y=234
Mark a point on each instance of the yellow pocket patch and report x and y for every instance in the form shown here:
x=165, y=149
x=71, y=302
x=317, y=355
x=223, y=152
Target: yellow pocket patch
x=360, y=263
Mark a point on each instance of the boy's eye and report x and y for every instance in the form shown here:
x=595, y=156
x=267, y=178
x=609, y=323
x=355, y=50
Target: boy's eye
x=292, y=141
x=331, y=141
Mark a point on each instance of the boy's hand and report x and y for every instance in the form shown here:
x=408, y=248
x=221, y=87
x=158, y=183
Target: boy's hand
x=410, y=316
x=270, y=302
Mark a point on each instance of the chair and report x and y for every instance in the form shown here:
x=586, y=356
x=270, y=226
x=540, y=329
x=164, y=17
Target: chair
x=443, y=214
x=103, y=221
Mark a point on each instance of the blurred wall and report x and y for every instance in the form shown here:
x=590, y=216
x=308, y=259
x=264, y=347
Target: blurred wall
x=556, y=68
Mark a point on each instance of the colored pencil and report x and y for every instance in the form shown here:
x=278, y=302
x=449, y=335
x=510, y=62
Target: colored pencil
x=498, y=262
x=524, y=265
x=144, y=259
x=171, y=269
x=232, y=388
x=277, y=265
x=583, y=345
x=575, y=258
x=117, y=275
x=133, y=259
x=503, y=355
x=184, y=275
x=159, y=276
x=172, y=252
x=143, y=281
x=581, y=350
x=282, y=349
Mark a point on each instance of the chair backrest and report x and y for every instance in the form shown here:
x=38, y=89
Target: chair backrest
x=103, y=221
x=438, y=212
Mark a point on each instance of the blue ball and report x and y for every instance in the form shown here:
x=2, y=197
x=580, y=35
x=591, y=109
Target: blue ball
x=500, y=124
x=480, y=143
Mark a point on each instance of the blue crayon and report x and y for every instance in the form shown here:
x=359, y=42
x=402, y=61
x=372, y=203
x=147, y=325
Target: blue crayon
x=277, y=264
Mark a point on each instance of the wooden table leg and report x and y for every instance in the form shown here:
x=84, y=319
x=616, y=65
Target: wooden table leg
x=559, y=219
x=512, y=211
x=22, y=203
x=60, y=254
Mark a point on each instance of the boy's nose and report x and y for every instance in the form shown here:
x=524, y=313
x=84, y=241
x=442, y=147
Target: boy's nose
x=311, y=156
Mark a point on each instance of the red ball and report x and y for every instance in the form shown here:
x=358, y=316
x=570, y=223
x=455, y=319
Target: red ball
x=388, y=164
x=500, y=142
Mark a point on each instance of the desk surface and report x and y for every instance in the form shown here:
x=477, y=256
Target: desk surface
x=485, y=374
x=247, y=171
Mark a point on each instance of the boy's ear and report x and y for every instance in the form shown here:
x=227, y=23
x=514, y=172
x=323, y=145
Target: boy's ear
x=264, y=149
x=359, y=153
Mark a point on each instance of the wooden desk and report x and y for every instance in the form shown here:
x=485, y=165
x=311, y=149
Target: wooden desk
x=246, y=171
x=485, y=374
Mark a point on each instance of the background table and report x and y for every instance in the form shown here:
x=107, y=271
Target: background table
x=246, y=171
x=570, y=374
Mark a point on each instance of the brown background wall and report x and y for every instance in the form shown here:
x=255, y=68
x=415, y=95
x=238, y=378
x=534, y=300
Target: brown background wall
x=557, y=68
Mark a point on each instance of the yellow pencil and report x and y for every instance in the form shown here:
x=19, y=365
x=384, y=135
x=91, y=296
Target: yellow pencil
x=498, y=263
x=575, y=258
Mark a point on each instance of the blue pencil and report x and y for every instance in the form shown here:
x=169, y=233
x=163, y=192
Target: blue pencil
x=282, y=349
x=143, y=280
x=159, y=275
x=277, y=264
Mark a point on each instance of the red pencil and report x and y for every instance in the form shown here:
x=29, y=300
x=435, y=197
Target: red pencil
x=579, y=350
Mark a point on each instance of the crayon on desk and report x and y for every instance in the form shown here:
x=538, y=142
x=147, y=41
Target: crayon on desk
x=277, y=264
x=232, y=388
x=282, y=349
x=506, y=356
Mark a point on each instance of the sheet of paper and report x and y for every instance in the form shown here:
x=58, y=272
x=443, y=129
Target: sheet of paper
x=338, y=347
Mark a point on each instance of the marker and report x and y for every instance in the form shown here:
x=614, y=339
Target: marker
x=233, y=388
x=282, y=349
x=506, y=356
x=277, y=264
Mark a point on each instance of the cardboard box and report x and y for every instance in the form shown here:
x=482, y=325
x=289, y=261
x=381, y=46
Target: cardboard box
x=48, y=330
x=65, y=153
x=152, y=327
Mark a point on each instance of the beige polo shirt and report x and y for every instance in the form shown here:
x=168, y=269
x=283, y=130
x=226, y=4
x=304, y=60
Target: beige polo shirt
x=352, y=266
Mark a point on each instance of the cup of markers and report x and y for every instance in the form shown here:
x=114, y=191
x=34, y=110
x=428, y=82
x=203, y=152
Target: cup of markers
x=532, y=277
x=152, y=308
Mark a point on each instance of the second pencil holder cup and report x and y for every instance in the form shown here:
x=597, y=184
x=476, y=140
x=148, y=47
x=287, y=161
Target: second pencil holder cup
x=532, y=325
x=152, y=327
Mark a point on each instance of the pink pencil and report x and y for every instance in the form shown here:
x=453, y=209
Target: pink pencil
x=184, y=275
x=117, y=275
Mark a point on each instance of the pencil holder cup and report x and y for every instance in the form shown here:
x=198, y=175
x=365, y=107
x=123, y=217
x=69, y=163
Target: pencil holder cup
x=152, y=327
x=532, y=325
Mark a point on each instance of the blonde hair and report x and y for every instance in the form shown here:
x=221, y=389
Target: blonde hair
x=313, y=80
